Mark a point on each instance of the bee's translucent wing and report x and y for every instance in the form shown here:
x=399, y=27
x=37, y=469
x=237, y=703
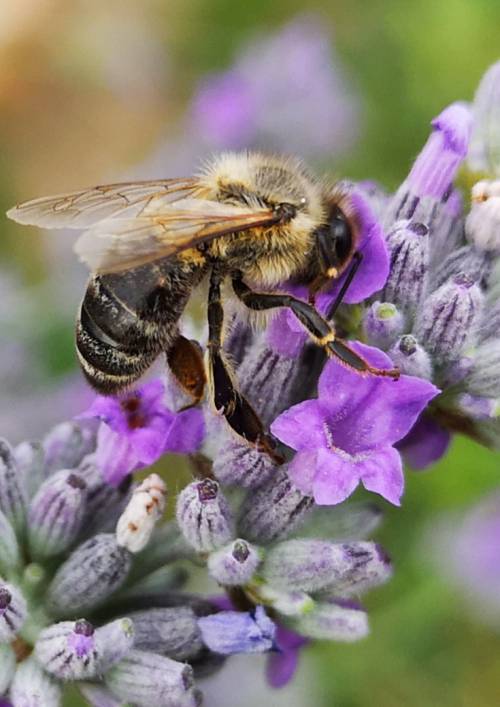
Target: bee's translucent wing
x=83, y=209
x=121, y=243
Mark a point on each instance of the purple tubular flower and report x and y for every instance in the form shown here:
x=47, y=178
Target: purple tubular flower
x=282, y=665
x=437, y=164
x=138, y=428
x=425, y=444
x=230, y=632
x=285, y=334
x=346, y=436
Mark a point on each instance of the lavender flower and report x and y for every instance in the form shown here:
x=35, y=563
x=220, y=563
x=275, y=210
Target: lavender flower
x=138, y=428
x=346, y=436
x=231, y=632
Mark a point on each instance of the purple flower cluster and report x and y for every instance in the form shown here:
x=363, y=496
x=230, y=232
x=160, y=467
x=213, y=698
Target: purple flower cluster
x=91, y=585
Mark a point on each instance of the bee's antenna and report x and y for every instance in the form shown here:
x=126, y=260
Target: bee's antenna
x=356, y=262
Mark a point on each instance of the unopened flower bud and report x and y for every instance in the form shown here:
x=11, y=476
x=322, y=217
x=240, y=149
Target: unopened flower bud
x=316, y=565
x=333, y=621
x=261, y=368
x=484, y=151
x=204, y=516
x=105, y=503
x=143, y=511
x=98, y=695
x=12, y=498
x=9, y=547
x=467, y=260
x=33, y=687
x=343, y=522
x=482, y=226
x=146, y=679
x=234, y=564
x=408, y=243
x=239, y=464
x=75, y=650
x=411, y=358
x=231, y=632
x=66, y=445
x=89, y=576
x=56, y=513
x=171, y=631
x=274, y=510
x=446, y=319
x=13, y=611
x=291, y=602
x=383, y=323
x=484, y=377
x=7, y=666
x=31, y=465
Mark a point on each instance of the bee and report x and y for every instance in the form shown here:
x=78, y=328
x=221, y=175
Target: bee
x=250, y=219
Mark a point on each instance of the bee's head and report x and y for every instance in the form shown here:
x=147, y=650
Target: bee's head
x=256, y=179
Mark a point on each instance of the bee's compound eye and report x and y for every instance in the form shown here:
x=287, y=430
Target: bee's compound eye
x=341, y=234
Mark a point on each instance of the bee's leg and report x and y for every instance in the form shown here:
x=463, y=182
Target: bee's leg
x=357, y=259
x=185, y=360
x=238, y=412
x=318, y=328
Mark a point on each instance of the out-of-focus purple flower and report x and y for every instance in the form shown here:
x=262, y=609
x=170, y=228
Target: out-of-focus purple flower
x=282, y=665
x=467, y=553
x=425, y=444
x=230, y=632
x=346, y=435
x=265, y=99
x=285, y=334
x=484, y=151
x=138, y=428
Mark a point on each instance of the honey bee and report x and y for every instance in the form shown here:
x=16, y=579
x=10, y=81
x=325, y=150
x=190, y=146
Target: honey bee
x=251, y=219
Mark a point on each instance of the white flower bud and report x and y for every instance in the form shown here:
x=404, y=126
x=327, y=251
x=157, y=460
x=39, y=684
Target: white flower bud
x=145, y=508
x=482, y=226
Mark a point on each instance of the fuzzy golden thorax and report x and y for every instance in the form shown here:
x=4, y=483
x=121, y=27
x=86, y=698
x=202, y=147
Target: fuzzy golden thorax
x=266, y=256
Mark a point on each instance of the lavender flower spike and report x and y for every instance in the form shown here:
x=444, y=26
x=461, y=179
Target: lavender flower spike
x=33, y=687
x=204, y=516
x=347, y=434
x=230, y=632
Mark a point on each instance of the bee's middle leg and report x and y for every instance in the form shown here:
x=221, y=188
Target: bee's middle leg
x=318, y=328
x=238, y=412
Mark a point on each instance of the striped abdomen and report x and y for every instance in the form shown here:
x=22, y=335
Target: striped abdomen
x=128, y=319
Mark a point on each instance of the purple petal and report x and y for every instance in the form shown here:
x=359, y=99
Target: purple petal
x=186, y=434
x=286, y=335
x=281, y=668
x=374, y=269
x=382, y=472
x=302, y=425
x=437, y=164
x=151, y=395
x=114, y=455
x=148, y=443
x=425, y=443
x=371, y=411
x=107, y=409
x=335, y=476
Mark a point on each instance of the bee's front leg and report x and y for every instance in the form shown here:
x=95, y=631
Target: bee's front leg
x=238, y=412
x=318, y=328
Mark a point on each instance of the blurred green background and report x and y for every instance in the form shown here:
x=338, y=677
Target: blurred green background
x=89, y=89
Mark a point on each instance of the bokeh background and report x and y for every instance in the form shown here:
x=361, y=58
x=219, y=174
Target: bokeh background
x=94, y=91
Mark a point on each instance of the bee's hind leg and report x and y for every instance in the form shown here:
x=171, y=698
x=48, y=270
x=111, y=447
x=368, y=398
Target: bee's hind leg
x=238, y=412
x=185, y=360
